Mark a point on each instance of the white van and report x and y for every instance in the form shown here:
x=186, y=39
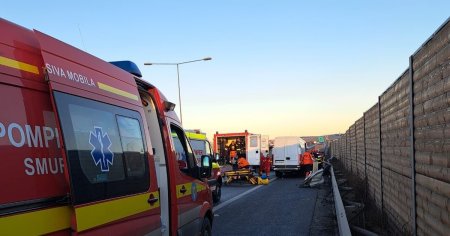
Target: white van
x=287, y=153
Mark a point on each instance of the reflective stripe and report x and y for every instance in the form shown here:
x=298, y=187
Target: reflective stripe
x=36, y=222
x=191, y=135
x=200, y=187
x=19, y=65
x=91, y=216
x=188, y=188
x=116, y=91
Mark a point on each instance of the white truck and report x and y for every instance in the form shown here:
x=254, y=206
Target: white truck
x=287, y=152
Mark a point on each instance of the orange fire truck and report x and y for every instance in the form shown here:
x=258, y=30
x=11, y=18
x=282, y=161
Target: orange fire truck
x=88, y=147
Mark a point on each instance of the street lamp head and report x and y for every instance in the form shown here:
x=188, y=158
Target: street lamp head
x=148, y=64
x=207, y=58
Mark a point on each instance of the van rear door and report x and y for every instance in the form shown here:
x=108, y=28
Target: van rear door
x=113, y=185
x=278, y=151
x=291, y=151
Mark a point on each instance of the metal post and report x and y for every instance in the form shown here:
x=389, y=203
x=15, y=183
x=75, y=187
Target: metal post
x=356, y=150
x=179, y=92
x=365, y=157
x=381, y=162
x=412, y=142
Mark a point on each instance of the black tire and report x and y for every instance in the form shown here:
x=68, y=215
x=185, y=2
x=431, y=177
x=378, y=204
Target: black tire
x=217, y=194
x=278, y=174
x=206, y=227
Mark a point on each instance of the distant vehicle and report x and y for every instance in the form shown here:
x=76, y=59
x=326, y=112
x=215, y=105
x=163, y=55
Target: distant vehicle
x=202, y=146
x=244, y=144
x=287, y=152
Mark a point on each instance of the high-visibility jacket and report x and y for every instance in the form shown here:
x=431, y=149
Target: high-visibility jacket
x=243, y=163
x=307, y=159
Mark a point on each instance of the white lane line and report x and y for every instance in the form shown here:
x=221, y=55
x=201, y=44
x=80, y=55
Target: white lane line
x=223, y=204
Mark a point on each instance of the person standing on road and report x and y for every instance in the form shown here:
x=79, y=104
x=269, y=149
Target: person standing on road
x=262, y=161
x=307, y=163
x=266, y=164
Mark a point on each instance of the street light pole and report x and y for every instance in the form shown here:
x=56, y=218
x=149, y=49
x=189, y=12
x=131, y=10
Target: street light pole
x=179, y=92
x=178, y=76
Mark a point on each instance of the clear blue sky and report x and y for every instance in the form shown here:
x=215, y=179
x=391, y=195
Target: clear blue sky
x=278, y=68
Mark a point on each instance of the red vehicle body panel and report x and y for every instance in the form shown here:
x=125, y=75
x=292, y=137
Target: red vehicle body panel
x=32, y=150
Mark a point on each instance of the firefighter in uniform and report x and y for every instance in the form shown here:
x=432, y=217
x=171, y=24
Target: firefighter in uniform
x=265, y=163
x=233, y=154
x=307, y=163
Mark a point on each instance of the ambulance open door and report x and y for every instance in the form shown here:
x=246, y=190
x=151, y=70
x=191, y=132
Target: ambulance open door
x=254, y=149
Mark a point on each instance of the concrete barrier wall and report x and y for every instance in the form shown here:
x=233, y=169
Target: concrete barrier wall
x=401, y=146
x=431, y=80
x=360, y=148
x=372, y=141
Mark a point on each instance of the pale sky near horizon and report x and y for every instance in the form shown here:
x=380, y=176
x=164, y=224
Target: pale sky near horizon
x=279, y=67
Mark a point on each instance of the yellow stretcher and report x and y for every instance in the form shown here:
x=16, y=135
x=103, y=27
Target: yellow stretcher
x=244, y=174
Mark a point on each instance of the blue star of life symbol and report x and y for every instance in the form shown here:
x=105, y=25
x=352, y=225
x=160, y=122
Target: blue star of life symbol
x=101, y=154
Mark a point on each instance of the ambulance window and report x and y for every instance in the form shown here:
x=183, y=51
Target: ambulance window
x=208, y=148
x=182, y=148
x=198, y=146
x=179, y=149
x=91, y=132
x=253, y=141
x=132, y=145
x=106, y=152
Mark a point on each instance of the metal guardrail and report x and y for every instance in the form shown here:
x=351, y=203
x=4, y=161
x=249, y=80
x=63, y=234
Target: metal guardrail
x=344, y=229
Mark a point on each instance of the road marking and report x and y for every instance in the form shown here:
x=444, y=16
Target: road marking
x=221, y=205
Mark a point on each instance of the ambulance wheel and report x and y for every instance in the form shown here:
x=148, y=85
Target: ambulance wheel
x=278, y=174
x=206, y=227
x=217, y=194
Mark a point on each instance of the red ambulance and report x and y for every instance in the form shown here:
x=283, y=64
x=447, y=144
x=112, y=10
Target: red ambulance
x=87, y=147
x=247, y=145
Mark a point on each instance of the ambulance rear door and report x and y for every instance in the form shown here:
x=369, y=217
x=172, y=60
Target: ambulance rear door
x=253, y=149
x=111, y=172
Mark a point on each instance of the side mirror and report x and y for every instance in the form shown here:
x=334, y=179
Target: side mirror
x=205, y=169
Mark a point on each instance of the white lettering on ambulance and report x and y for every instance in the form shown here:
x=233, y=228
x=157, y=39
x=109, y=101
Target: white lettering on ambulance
x=11, y=136
x=73, y=76
x=2, y=130
x=80, y=78
x=57, y=138
x=55, y=70
x=36, y=138
x=43, y=166
x=48, y=135
x=32, y=139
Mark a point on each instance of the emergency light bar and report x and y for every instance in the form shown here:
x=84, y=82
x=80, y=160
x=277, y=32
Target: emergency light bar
x=128, y=66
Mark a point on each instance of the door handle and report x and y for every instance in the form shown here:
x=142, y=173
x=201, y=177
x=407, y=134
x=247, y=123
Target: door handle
x=152, y=199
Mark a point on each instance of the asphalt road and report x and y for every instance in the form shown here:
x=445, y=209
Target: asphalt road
x=280, y=208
